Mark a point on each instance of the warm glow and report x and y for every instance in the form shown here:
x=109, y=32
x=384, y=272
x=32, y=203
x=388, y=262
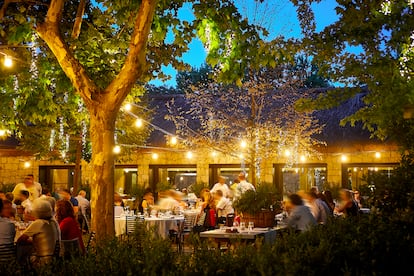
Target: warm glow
x=8, y=62
x=189, y=155
x=155, y=156
x=173, y=140
x=128, y=107
x=126, y=170
x=287, y=153
x=344, y=158
x=27, y=164
x=214, y=153
x=117, y=149
x=376, y=169
x=138, y=123
x=355, y=169
x=303, y=158
x=377, y=155
x=243, y=144
x=3, y=132
x=241, y=156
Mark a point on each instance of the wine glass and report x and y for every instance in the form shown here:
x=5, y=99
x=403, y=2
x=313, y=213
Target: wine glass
x=250, y=226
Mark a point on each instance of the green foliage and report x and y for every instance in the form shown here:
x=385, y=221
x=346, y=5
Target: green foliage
x=252, y=202
x=8, y=187
x=393, y=196
x=370, y=46
x=197, y=187
x=370, y=245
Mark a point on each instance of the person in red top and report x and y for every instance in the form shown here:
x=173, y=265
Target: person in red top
x=69, y=227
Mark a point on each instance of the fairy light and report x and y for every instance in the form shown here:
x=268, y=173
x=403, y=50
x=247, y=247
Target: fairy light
x=155, y=156
x=8, y=62
x=173, y=140
x=189, y=155
x=138, y=123
x=117, y=149
x=377, y=155
x=26, y=164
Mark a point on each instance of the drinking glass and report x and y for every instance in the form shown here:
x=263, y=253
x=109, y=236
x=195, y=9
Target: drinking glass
x=250, y=226
x=242, y=226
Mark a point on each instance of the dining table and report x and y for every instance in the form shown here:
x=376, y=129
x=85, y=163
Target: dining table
x=162, y=224
x=235, y=234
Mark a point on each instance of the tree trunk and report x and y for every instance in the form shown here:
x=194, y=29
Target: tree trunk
x=102, y=129
x=76, y=176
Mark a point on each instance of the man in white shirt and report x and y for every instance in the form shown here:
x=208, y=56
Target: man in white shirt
x=243, y=186
x=221, y=185
x=223, y=206
x=34, y=188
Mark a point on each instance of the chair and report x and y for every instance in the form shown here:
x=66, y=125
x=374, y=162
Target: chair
x=71, y=248
x=90, y=241
x=185, y=228
x=229, y=220
x=130, y=224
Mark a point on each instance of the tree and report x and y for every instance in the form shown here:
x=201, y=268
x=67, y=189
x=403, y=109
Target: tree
x=253, y=122
x=107, y=48
x=370, y=46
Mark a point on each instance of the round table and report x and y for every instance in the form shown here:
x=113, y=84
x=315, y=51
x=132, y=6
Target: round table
x=162, y=225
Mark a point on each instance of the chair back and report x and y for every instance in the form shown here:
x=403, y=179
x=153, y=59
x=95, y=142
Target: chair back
x=229, y=220
x=90, y=241
x=130, y=224
x=7, y=253
x=71, y=248
x=190, y=220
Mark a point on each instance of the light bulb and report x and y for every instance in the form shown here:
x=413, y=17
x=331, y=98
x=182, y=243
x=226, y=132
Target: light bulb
x=8, y=62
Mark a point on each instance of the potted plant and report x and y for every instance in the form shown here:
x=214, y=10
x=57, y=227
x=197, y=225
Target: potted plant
x=259, y=206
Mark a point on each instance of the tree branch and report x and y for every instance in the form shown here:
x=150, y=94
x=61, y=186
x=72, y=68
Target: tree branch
x=135, y=62
x=78, y=21
x=50, y=33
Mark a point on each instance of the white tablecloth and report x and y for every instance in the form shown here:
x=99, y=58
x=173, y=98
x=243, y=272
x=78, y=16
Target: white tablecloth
x=162, y=225
x=120, y=224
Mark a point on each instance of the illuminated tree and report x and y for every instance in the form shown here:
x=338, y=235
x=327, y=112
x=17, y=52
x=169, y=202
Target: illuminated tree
x=253, y=122
x=107, y=48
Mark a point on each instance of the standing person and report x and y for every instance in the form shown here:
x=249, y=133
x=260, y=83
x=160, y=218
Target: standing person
x=299, y=217
x=34, y=188
x=221, y=185
x=84, y=210
x=243, y=185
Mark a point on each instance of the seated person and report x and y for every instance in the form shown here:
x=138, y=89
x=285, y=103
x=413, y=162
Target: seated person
x=43, y=234
x=223, y=206
x=299, y=217
x=7, y=228
x=167, y=201
x=147, y=202
x=69, y=227
x=348, y=207
x=8, y=211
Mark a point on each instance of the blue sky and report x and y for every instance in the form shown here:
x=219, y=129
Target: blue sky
x=280, y=19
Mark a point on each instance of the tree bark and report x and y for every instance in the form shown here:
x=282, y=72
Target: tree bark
x=102, y=127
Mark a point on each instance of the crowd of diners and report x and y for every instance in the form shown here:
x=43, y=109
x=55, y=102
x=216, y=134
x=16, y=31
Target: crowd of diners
x=34, y=222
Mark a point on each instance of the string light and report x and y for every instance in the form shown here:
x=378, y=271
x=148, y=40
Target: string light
x=117, y=149
x=155, y=156
x=8, y=62
x=377, y=155
x=138, y=123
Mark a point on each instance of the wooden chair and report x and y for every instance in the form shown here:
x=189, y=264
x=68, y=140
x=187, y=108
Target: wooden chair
x=131, y=222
